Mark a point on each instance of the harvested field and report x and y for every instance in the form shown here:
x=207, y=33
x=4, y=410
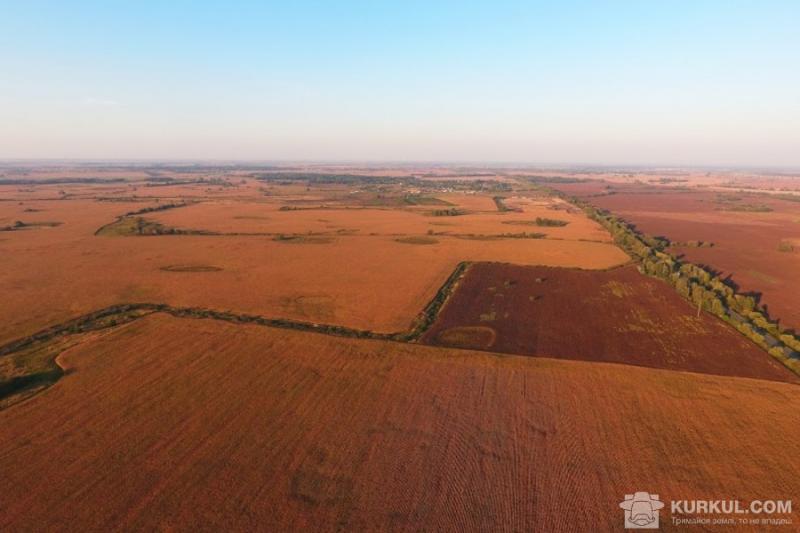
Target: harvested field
x=282, y=430
x=347, y=258
x=746, y=242
x=617, y=315
x=190, y=268
x=271, y=217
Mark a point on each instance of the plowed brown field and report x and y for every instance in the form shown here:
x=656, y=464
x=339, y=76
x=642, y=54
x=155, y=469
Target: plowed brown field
x=617, y=315
x=179, y=424
x=746, y=244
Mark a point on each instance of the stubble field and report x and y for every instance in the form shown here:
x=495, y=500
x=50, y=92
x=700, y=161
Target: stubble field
x=755, y=239
x=337, y=266
x=176, y=423
x=150, y=420
x=618, y=315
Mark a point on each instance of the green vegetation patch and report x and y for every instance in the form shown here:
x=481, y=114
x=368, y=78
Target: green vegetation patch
x=747, y=208
x=29, y=365
x=417, y=239
x=29, y=371
x=419, y=199
x=539, y=221
x=694, y=244
x=131, y=226
x=136, y=226
x=452, y=212
x=156, y=208
x=20, y=225
x=499, y=236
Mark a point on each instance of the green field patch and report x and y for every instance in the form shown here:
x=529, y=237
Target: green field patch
x=451, y=212
x=538, y=221
x=747, y=208
x=417, y=240
x=419, y=199
x=19, y=225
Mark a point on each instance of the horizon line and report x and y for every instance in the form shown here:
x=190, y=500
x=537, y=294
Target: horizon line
x=550, y=165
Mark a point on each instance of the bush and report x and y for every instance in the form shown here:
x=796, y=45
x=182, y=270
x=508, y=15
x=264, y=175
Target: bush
x=550, y=222
x=452, y=212
x=777, y=352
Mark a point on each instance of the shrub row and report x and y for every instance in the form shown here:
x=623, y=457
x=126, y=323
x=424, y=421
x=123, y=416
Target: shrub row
x=698, y=285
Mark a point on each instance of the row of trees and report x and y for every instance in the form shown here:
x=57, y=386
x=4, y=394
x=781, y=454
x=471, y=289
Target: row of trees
x=452, y=212
x=701, y=287
x=162, y=207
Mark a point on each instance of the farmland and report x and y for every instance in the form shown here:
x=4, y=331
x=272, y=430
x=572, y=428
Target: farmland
x=752, y=237
x=361, y=348
x=436, y=267
x=617, y=315
x=178, y=423
x=245, y=252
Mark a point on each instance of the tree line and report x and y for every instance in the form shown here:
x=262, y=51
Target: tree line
x=698, y=285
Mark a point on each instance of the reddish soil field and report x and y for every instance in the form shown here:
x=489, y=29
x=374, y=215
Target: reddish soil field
x=617, y=315
x=179, y=424
x=747, y=245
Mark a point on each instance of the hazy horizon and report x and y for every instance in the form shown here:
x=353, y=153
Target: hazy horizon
x=533, y=166
x=603, y=83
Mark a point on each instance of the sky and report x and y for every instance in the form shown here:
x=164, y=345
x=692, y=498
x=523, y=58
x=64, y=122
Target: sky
x=601, y=82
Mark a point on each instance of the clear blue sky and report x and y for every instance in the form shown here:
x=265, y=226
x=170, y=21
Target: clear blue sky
x=644, y=82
